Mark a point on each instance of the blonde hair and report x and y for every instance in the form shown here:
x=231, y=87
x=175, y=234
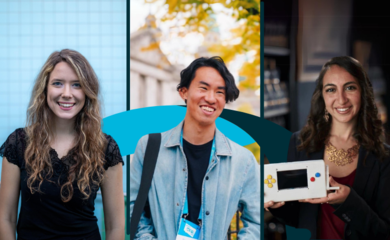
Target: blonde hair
x=88, y=155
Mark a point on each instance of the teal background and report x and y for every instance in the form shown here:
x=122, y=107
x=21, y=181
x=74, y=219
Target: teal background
x=128, y=127
x=30, y=30
x=273, y=140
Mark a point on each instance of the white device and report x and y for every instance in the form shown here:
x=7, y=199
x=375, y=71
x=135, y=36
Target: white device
x=296, y=180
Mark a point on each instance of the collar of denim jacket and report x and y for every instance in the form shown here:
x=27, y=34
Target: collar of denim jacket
x=222, y=146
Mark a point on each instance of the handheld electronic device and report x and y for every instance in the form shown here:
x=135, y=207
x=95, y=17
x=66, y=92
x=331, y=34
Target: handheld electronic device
x=296, y=180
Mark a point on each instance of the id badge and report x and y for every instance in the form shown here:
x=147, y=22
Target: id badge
x=188, y=230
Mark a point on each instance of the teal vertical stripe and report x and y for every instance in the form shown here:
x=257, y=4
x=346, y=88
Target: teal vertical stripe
x=262, y=110
x=127, y=109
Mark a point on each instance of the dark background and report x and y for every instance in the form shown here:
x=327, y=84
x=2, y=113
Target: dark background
x=366, y=25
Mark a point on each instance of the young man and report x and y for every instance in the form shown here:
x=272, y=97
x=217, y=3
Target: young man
x=201, y=177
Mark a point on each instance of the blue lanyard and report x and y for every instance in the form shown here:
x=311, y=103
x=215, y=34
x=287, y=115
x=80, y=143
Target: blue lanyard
x=185, y=211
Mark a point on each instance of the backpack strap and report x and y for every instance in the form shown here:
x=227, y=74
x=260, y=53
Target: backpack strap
x=151, y=154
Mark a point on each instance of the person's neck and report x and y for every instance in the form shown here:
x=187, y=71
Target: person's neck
x=63, y=128
x=342, y=131
x=198, y=134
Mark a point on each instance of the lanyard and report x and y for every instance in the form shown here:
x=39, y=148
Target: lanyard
x=185, y=211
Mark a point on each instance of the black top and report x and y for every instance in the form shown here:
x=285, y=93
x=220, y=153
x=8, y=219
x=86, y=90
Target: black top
x=44, y=215
x=198, y=158
x=365, y=212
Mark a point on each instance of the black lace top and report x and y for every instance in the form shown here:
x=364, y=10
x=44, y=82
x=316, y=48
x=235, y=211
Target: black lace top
x=44, y=215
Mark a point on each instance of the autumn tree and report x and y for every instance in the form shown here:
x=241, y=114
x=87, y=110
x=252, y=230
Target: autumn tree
x=198, y=16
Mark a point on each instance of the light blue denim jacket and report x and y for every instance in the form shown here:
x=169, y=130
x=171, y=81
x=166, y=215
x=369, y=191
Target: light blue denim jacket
x=233, y=183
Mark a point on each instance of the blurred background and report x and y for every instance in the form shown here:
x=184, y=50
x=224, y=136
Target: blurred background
x=167, y=35
x=300, y=36
x=31, y=30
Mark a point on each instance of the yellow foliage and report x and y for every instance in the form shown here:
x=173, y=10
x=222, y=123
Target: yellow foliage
x=246, y=108
x=251, y=71
x=152, y=46
x=198, y=16
x=255, y=149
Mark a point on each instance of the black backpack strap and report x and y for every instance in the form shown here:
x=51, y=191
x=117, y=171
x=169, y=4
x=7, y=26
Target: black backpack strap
x=149, y=165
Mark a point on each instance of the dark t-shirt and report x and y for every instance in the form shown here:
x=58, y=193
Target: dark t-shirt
x=44, y=215
x=198, y=158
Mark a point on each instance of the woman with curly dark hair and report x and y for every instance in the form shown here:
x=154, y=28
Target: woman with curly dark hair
x=60, y=159
x=344, y=129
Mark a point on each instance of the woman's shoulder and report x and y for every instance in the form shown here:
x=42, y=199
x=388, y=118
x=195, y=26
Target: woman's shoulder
x=295, y=138
x=387, y=146
x=295, y=150
x=108, y=137
x=19, y=133
x=112, y=154
x=13, y=147
x=383, y=162
x=17, y=136
x=111, y=143
x=296, y=134
x=387, y=149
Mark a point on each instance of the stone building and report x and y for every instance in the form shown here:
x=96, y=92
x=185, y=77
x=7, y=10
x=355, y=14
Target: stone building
x=153, y=79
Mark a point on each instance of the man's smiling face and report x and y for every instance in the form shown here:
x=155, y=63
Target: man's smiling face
x=206, y=96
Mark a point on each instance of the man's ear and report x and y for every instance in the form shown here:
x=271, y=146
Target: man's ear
x=183, y=93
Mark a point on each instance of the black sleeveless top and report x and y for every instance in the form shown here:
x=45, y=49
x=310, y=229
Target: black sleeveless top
x=44, y=215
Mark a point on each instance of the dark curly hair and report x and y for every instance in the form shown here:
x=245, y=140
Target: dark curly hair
x=188, y=74
x=369, y=129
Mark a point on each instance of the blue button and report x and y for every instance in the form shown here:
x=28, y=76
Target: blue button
x=318, y=174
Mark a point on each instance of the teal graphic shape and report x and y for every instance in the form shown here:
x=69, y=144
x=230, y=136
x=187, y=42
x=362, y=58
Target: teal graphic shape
x=297, y=233
x=128, y=127
x=273, y=140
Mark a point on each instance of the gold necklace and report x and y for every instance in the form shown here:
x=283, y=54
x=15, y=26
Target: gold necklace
x=341, y=157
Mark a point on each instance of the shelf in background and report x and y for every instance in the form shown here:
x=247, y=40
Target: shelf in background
x=276, y=51
x=276, y=112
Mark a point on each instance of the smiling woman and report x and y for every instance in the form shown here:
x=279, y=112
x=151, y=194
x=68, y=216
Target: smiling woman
x=61, y=159
x=342, y=95
x=65, y=96
x=343, y=129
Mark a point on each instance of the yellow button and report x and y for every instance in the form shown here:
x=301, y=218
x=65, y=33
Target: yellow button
x=266, y=181
x=270, y=185
x=269, y=176
x=273, y=180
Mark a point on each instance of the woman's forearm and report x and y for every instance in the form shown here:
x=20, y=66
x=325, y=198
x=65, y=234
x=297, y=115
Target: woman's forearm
x=114, y=233
x=7, y=230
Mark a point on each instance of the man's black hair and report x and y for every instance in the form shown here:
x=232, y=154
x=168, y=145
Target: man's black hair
x=188, y=74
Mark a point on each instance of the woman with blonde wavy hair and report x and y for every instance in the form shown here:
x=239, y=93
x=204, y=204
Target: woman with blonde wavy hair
x=60, y=159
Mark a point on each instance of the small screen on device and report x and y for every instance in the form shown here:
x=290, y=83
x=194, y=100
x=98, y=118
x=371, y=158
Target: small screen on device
x=292, y=179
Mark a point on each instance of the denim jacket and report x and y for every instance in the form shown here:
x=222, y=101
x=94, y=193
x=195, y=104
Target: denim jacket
x=232, y=182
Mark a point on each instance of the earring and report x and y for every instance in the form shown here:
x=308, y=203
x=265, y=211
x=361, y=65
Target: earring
x=326, y=116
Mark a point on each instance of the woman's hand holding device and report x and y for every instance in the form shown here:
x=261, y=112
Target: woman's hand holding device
x=272, y=204
x=336, y=197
